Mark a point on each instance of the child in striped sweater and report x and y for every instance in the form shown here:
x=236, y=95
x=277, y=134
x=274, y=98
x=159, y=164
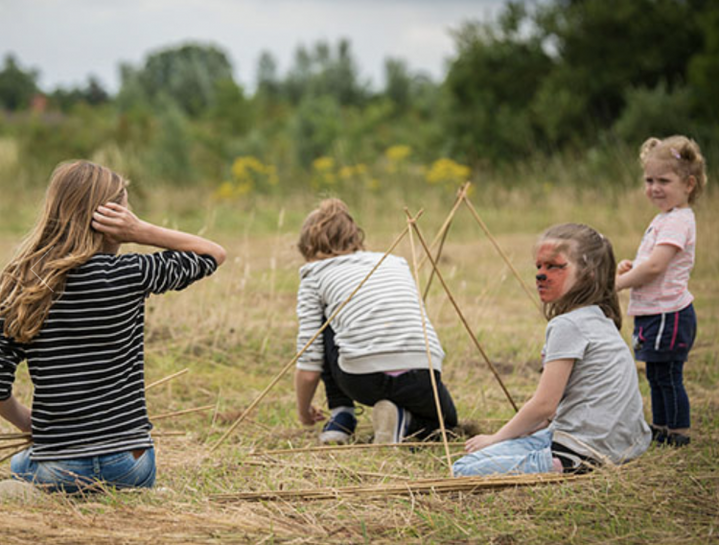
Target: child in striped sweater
x=373, y=351
x=74, y=310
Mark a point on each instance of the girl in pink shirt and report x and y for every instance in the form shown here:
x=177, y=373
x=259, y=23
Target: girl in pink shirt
x=665, y=323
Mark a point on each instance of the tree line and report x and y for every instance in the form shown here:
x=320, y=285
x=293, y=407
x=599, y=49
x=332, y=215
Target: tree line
x=543, y=78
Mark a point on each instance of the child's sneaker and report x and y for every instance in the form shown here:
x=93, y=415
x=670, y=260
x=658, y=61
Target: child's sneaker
x=390, y=422
x=677, y=439
x=659, y=435
x=339, y=429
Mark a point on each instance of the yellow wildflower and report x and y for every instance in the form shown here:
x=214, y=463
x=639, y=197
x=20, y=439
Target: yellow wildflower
x=397, y=154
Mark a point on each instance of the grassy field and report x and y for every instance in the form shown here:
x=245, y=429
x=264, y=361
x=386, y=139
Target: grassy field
x=236, y=331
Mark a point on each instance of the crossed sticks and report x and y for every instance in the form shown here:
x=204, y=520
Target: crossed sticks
x=441, y=237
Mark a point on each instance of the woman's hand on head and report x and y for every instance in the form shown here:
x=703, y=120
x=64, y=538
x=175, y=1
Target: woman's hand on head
x=117, y=223
x=479, y=442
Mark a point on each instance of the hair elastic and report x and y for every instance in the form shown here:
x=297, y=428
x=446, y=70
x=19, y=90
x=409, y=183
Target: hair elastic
x=675, y=153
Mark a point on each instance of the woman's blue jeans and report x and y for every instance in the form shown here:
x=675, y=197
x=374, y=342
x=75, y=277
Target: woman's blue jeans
x=119, y=470
x=531, y=454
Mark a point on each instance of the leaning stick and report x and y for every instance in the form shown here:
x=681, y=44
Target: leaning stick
x=356, y=446
x=421, y=307
x=307, y=345
x=24, y=442
x=469, y=485
x=445, y=229
x=266, y=463
x=500, y=251
x=164, y=380
x=462, y=318
x=16, y=451
x=458, y=201
x=16, y=435
x=185, y=411
x=161, y=433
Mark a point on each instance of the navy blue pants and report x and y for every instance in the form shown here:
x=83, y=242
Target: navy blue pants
x=412, y=390
x=670, y=403
x=663, y=342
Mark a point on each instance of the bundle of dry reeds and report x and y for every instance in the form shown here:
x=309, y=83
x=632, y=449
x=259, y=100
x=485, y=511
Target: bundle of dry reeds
x=469, y=485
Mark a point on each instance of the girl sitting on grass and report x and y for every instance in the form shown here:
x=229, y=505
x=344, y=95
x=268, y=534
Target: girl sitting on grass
x=374, y=351
x=587, y=409
x=74, y=310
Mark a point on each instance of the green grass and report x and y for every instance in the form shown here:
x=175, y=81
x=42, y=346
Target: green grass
x=236, y=330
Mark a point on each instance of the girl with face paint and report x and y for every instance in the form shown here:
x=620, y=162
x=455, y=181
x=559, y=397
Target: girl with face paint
x=587, y=408
x=555, y=272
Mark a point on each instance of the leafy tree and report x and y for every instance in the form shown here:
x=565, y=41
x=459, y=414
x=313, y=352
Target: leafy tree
x=230, y=112
x=92, y=94
x=490, y=84
x=188, y=75
x=604, y=47
x=17, y=86
x=656, y=111
x=323, y=71
x=398, y=82
x=703, y=67
x=315, y=127
x=268, y=84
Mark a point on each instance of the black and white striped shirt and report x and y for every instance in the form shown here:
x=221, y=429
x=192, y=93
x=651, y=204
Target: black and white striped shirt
x=379, y=330
x=87, y=362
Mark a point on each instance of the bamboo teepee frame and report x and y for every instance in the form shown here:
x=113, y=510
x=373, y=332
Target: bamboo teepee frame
x=461, y=198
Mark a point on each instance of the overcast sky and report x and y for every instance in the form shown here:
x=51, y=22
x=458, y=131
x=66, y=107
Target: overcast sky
x=66, y=40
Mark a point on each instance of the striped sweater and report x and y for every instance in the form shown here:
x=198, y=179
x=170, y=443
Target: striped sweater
x=87, y=362
x=379, y=330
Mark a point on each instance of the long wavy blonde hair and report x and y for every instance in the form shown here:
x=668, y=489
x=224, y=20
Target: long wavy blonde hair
x=61, y=240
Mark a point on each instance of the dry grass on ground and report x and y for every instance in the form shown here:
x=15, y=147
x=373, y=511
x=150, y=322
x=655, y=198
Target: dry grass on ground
x=235, y=331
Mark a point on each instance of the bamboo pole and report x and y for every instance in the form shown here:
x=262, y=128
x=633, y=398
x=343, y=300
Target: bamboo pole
x=266, y=463
x=445, y=229
x=164, y=380
x=356, y=446
x=458, y=201
x=23, y=442
x=179, y=413
x=462, y=317
x=14, y=452
x=307, y=345
x=15, y=435
x=500, y=251
x=421, y=308
x=170, y=433
x=470, y=485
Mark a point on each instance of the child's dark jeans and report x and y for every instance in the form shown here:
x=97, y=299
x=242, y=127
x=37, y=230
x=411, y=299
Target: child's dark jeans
x=663, y=342
x=670, y=403
x=411, y=390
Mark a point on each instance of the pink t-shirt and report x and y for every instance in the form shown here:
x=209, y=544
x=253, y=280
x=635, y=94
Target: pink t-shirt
x=668, y=292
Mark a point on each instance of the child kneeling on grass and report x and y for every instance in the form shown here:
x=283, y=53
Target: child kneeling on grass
x=373, y=352
x=74, y=310
x=587, y=409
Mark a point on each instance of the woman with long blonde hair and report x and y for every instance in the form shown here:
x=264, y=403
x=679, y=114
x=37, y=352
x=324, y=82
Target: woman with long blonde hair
x=74, y=310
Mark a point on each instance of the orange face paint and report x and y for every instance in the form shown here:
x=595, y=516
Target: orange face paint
x=555, y=272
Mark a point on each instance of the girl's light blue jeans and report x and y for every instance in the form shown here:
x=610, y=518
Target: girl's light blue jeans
x=529, y=454
x=119, y=470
